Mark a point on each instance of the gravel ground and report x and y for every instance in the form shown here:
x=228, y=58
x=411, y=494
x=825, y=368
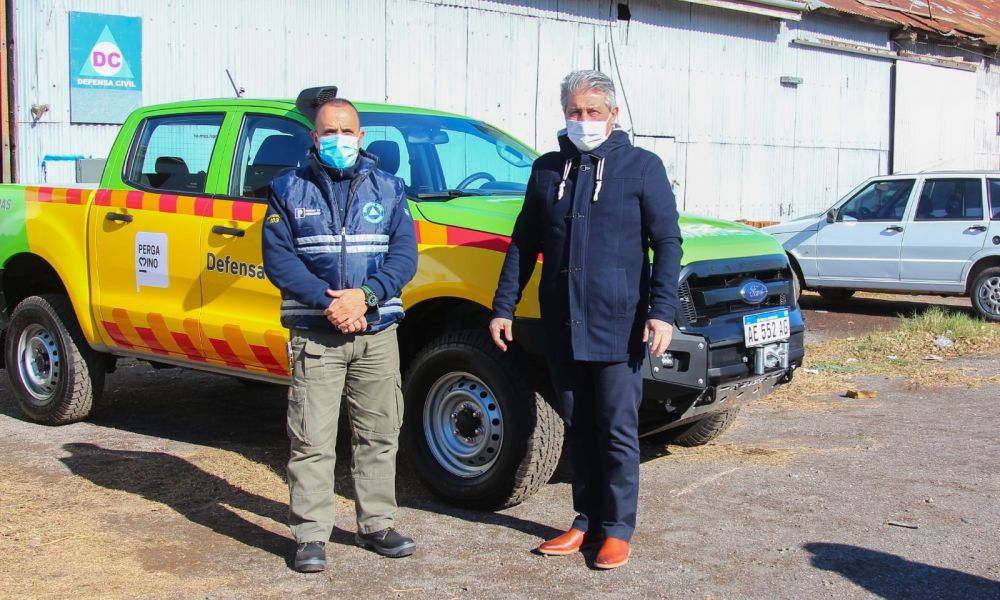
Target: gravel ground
x=175, y=490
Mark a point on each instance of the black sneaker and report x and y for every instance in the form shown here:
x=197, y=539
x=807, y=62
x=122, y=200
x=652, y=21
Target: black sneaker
x=310, y=557
x=387, y=542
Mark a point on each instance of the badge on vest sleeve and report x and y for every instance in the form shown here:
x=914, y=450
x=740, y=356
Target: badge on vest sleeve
x=275, y=218
x=373, y=212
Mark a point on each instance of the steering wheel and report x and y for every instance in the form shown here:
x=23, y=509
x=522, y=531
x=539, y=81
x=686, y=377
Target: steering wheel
x=865, y=213
x=474, y=177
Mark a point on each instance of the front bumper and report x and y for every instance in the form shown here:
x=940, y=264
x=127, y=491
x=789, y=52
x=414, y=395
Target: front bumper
x=704, y=378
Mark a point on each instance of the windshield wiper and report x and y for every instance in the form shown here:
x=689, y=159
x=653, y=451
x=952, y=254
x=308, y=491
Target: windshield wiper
x=447, y=194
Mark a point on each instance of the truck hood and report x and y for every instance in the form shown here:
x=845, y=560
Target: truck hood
x=704, y=238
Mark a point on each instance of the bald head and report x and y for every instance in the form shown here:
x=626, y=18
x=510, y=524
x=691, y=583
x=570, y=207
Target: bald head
x=338, y=116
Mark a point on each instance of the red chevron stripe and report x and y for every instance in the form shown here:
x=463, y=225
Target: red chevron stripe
x=116, y=334
x=223, y=349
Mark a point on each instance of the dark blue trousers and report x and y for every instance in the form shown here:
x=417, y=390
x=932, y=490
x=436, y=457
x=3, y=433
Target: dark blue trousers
x=601, y=411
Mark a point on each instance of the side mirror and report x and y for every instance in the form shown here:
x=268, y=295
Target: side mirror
x=831, y=215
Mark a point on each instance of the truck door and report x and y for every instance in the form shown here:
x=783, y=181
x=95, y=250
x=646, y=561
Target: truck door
x=147, y=238
x=239, y=305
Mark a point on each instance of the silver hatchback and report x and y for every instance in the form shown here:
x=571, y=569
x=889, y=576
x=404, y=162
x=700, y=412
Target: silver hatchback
x=924, y=233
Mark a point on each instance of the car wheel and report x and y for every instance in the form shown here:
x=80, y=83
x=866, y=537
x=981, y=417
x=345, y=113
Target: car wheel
x=703, y=430
x=476, y=431
x=835, y=294
x=55, y=375
x=985, y=294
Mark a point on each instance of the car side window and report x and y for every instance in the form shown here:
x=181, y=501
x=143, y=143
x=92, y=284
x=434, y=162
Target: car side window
x=994, y=190
x=388, y=144
x=268, y=147
x=878, y=201
x=172, y=153
x=950, y=200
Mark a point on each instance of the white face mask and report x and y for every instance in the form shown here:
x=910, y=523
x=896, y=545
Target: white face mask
x=587, y=135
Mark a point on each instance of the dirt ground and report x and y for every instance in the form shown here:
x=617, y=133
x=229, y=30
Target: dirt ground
x=176, y=490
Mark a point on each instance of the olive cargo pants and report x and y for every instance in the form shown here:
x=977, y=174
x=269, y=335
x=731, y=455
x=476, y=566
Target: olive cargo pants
x=365, y=370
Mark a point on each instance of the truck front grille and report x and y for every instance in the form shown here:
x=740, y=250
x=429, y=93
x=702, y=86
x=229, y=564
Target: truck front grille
x=705, y=296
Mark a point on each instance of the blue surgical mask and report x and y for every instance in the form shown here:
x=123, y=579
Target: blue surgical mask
x=338, y=150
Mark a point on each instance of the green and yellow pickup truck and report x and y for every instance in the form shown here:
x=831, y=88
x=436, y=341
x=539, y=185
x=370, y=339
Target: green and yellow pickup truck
x=162, y=262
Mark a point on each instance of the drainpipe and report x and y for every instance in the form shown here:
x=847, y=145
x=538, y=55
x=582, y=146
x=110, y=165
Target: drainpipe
x=892, y=118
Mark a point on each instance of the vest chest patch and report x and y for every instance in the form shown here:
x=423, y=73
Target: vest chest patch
x=373, y=212
x=301, y=213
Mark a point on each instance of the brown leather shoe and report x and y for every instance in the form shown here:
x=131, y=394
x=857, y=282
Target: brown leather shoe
x=613, y=554
x=569, y=542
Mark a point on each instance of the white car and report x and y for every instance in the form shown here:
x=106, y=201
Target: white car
x=924, y=233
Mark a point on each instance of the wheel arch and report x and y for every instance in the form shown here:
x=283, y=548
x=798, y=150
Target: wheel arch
x=28, y=274
x=434, y=317
x=978, y=267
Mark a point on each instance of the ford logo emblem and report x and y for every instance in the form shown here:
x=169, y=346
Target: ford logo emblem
x=753, y=291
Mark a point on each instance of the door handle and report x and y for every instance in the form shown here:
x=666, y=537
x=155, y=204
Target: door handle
x=120, y=217
x=976, y=228
x=896, y=228
x=235, y=231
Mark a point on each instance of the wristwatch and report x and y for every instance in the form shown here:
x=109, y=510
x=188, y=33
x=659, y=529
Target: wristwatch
x=371, y=300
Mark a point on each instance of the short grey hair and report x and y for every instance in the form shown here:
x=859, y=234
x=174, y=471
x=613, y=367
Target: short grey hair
x=581, y=81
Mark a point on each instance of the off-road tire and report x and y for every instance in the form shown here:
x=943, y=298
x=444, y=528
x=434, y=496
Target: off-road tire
x=703, y=430
x=983, y=294
x=532, y=431
x=78, y=371
x=835, y=294
x=796, y=284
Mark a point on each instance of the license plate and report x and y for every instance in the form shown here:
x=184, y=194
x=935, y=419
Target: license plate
x=764, y=328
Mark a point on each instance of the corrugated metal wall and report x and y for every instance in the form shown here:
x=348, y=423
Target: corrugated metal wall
x=935, y=118
x=701, y=84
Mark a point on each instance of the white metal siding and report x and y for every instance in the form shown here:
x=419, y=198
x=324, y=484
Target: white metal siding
x=698, y=85
x=935, y=118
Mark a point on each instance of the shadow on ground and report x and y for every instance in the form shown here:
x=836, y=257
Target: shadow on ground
x=885, y=306
x=221, y=412
x=893, y=577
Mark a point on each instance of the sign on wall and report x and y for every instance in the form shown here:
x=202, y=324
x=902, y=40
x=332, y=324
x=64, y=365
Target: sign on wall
x=105, y=67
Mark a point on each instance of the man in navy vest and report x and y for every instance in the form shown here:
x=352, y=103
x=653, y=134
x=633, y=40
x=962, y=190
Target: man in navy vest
x=339, y=243
x=594, y=210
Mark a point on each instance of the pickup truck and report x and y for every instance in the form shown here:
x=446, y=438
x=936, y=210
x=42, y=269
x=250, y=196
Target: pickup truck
x=162, y=262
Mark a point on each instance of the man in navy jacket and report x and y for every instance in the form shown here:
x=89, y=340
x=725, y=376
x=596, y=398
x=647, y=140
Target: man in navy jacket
x=340, y=244
x=594, y=210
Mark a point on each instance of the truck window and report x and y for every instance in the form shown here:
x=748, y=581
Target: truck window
x=438, y=153
x=951, y=200
x=173, y=153
x=388, y=145
x=268, y=147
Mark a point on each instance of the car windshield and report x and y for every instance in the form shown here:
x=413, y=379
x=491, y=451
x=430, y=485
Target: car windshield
x=441, y=157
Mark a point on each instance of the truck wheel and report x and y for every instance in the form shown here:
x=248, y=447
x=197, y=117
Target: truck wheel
x=985, y=294
x=835, y=294
x=703, y=430
x=477, y=432
x=55, y=375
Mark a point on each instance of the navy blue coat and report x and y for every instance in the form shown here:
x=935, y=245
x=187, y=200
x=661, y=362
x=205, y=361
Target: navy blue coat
x=321, y=233
x=597, y=289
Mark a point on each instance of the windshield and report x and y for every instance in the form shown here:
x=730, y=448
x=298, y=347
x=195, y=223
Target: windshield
x=444, y=157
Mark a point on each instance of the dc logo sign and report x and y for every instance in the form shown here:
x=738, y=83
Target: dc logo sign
x=106, y=58
x=373, y=212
